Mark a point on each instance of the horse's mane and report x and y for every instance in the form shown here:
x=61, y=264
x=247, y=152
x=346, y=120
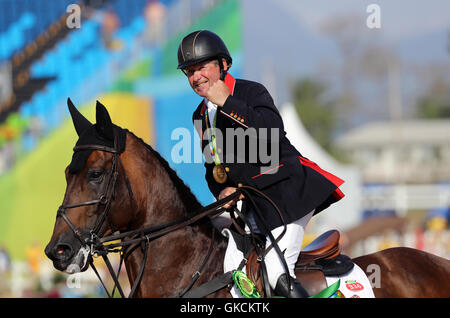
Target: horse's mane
x=186, y=195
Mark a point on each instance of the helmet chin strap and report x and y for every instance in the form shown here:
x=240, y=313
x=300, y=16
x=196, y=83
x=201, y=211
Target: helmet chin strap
x=223, y=73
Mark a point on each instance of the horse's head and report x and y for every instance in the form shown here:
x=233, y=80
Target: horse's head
x=93, y=180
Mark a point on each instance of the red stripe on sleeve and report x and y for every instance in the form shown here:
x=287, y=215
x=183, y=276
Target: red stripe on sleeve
x=258, y=175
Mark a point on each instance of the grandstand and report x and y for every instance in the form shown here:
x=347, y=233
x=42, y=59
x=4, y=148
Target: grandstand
x=118, y=55
x=132, y=74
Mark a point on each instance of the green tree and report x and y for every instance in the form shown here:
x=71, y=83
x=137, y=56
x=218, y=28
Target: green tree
x=315, y=111
x=435, y=103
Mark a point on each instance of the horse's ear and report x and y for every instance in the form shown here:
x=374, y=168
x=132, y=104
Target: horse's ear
x=104, y=124
x=79, y=121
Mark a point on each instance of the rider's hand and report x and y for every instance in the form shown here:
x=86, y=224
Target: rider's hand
x=218, y=93
x=229, y=191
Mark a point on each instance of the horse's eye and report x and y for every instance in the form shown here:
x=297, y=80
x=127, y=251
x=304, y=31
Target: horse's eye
x=95, y=175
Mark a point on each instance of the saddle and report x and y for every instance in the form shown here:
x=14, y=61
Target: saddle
x=319, y=258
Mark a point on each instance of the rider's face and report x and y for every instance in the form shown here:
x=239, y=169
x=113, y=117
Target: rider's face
x=202, y=75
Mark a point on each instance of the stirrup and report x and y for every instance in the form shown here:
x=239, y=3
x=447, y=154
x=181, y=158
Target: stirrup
x=296, y=290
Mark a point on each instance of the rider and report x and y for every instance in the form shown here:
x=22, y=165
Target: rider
x=298, y=186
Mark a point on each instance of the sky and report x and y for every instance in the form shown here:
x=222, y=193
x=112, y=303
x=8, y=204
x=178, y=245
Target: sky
x=284, y=40
x=399, y=18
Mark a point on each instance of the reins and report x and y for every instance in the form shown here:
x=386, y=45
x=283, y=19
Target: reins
x=151, y=233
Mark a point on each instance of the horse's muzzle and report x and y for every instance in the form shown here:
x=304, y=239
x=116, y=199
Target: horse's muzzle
x=68, y=257
x=61, y=254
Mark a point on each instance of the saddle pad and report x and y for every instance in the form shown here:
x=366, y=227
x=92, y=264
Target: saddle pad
x=354, y=284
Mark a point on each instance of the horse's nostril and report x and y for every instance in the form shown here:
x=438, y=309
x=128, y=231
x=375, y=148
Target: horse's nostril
x=62, y=251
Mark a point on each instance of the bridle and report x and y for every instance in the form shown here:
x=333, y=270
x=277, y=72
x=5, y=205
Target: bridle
x=104, y=199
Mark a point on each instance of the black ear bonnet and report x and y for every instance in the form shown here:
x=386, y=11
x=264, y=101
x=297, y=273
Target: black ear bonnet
x=101, y=133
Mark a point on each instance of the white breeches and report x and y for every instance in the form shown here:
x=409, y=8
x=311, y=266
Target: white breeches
x=290, y=244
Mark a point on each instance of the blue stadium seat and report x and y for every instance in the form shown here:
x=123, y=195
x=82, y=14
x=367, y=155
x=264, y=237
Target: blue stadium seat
x=27, y=20
x=13, y=38
x=52, y=93
x=25, y=110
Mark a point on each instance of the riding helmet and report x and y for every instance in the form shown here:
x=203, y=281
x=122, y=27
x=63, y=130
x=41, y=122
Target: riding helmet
x=200, y=46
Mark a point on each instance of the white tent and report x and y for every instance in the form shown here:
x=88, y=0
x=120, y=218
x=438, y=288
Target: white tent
x=347, y=212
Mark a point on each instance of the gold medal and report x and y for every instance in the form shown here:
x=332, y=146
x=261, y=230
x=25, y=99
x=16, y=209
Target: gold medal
x=219, y=174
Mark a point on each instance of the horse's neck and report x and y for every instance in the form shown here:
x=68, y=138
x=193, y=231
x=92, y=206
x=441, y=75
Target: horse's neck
x=157, y=198
x=164, y=200
x=177, y=255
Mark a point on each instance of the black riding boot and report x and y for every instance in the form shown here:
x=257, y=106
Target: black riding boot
x=296, y=290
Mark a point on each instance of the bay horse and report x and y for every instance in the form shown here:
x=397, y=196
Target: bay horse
x=136, y=189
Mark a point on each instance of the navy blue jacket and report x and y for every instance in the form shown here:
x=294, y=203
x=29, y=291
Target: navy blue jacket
x=298, y=185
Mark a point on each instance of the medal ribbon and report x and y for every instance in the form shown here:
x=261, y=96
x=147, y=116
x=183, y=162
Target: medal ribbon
x=212, y=138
